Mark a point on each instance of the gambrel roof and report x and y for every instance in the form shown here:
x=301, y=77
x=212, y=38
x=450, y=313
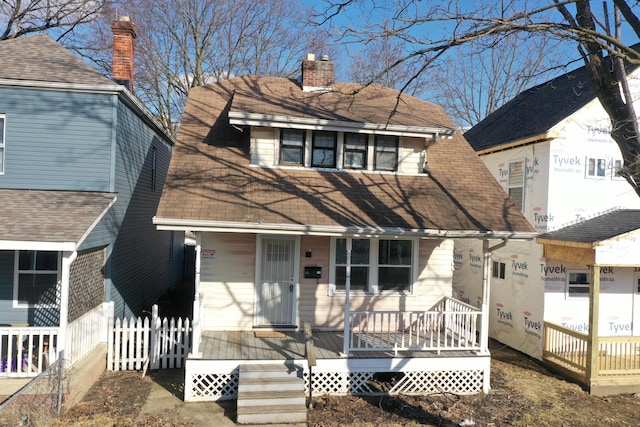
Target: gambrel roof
x=211, y=184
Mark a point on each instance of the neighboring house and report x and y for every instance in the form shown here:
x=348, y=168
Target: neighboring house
x=82, y=166
x=550, y=148
x=334, y=205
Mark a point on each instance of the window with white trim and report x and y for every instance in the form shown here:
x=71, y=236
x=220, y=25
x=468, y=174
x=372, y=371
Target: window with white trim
x=596, y=168
x=616, y=167
x=578, y=283
x=377, y=265
x=323, y=149
x=515, y=185
x=2, y=143
x=498, y=270
x=386, y=152
x=292, y=146
x=355, y=150
x=37, y=274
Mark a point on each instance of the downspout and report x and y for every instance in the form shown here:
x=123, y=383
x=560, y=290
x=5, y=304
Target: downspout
x=197, y=323
x=486, y=292
x=594, y=319
x=347, y=303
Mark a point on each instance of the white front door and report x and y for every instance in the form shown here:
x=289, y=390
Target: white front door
x=276, y=289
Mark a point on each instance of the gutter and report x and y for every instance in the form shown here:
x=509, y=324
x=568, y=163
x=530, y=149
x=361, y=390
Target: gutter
x=328, y=230
x=253, y=119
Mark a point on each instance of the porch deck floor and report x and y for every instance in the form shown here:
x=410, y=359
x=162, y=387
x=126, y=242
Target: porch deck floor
x=246, y=345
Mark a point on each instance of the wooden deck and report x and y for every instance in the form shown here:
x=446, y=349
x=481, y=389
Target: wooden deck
x=290, y=345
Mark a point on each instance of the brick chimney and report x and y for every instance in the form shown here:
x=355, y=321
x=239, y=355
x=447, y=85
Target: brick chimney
x=317, y=75
x=123, y=35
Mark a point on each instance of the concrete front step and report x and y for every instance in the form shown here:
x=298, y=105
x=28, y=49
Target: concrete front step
x=270, y=394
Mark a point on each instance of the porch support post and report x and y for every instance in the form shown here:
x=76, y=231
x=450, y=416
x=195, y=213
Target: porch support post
x=486, y=284
x=594, y=318
x=347, y=302
x=67, y=260
x=197, y=303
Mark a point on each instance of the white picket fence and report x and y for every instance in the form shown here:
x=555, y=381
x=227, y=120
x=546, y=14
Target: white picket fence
x=143, y=343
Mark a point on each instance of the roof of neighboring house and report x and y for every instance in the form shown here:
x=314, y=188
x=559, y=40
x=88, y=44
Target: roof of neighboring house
x=535, y=111
x=598, y=229
x=211, y=181
x=50, y=216
x=40, y=58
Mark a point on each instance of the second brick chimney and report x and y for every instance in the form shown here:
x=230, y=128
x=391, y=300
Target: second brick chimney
x=123, y=55
x=317, y=75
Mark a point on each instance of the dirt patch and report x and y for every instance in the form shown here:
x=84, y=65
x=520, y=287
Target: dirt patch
x=523, y=393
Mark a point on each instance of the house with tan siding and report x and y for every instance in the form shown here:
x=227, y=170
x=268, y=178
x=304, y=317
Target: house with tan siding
x=332, y=206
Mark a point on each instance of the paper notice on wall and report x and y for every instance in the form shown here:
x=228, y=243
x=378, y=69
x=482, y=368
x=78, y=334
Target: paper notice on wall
x=208, y=254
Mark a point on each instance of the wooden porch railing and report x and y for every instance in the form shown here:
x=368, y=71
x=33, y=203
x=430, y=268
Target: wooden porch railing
x=567, y=349
x=449, y=325
x=27, y=351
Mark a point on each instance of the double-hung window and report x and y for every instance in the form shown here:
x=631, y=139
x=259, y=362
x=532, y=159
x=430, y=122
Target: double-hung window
x=616, y=168
x=375, y=265
x=2, y=143
x=596, y=168
x=37, y=274
x=515, y=185
x=386, y=152
x=498, y=269
x=578, y=284
x=323, y=149
x=292, y=146
x=355, y=151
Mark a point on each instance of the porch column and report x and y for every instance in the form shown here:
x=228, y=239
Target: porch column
x=594, y=319
x=197, y=303
x=67, y=259
x=486, y=283
x=347, y=302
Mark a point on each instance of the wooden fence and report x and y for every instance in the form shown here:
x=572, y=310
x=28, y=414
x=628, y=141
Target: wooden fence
x=148, y=343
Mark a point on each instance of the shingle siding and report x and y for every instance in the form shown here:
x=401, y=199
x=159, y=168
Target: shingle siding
x=65, y=135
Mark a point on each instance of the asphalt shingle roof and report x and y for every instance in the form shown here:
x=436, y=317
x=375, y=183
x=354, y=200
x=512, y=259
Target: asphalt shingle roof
x=598, y=229
x=210, y=178
x=40, y=58
x=49, y=216
x=535, y=110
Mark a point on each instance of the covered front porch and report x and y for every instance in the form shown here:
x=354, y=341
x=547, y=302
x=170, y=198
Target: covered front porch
x=439, y=350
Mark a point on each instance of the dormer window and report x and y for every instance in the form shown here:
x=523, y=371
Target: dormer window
x=292, y=146
x=355, y=151
x=323, y=152
x=386, y=152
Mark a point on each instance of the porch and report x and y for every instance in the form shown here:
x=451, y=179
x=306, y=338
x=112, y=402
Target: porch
x=609, y=365
x=387, y=352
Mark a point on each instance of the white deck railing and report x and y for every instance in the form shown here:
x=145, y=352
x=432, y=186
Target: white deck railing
x=88, y=331
x=27, y=351
x=449, y=325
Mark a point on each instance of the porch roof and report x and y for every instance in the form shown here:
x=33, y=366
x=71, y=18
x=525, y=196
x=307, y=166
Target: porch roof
x=211, y=184
x=49, y=220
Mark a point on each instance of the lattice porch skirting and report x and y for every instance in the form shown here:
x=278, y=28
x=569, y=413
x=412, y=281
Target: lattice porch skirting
x=208, y=380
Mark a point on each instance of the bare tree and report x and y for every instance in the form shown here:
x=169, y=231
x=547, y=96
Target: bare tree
x=182, y=44
x=19, y=18
x=431, y=31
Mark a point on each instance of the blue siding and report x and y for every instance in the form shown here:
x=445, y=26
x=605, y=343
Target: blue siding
x=55, y=134
x=139, y=265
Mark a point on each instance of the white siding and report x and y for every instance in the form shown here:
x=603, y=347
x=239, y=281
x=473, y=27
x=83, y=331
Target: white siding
x=227, y=281
x=263, y=146
x=412, y=155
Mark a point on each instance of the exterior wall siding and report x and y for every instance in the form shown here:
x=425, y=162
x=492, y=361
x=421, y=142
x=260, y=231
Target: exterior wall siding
x=140, y=264
x=412, y=155
x=66, y=135
x=227, y=283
